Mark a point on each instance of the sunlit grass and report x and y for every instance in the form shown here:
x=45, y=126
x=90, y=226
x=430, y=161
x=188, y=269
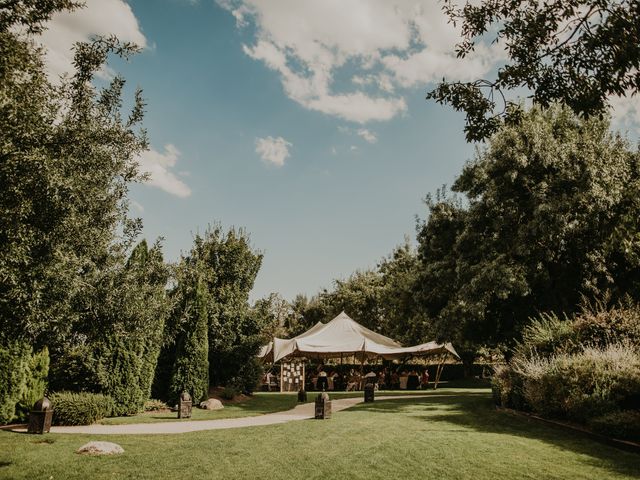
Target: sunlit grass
x=451, y=434
x=258, y=404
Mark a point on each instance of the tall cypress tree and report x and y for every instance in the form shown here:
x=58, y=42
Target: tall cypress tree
x=191, y=368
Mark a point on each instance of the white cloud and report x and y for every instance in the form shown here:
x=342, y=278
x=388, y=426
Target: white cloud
x=273, y=150
x=158, y=165
x=368, y=135
x=98, y=17
x=385, y=46
x=625, y=112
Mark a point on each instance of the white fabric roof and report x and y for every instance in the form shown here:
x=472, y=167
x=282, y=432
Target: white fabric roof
x=344, y=336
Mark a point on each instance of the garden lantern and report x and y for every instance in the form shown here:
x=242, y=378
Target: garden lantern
x=369, y=388
x=323, y=406
x=185, y=406
x=40, y=417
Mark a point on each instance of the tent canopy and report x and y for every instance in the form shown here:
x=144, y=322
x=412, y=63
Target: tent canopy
x=344, y=336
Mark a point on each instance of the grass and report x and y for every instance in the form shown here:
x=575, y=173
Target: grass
x=259, y=404
x=452, y=434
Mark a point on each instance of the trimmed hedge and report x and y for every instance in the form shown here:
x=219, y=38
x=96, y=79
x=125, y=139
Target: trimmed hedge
x=70, y=408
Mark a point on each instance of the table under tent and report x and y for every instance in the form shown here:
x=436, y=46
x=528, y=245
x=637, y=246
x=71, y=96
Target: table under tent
x=344, y=337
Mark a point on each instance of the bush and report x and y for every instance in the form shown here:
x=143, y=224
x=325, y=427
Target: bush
x=228, y=393
x=153, y=405
x=36, y=383
x=70, y=408
x=624, y=424
x=597, y=325
x=508, y=388
x=584, y=385
x=248, y=376
x=547, y=335
x=14, y=371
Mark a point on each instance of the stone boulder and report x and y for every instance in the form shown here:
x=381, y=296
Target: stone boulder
x=100, y=448
x=212, y=404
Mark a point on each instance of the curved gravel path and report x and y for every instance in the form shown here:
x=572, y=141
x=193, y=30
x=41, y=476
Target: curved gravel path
x=300, y=412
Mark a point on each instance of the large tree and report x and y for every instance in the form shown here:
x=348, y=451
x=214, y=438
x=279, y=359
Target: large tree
x=67, y=155
x=577, y=52
x=551, y=217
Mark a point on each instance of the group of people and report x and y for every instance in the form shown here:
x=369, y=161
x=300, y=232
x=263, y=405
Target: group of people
x=321, y=380
x=333, y=380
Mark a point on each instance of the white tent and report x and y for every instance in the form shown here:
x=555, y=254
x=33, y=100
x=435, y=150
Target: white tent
x=343, y=336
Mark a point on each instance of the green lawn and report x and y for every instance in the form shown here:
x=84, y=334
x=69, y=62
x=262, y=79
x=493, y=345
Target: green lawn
x=259, y=404
x=452, y=434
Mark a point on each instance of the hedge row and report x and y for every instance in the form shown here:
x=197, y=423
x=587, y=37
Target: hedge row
x=70, y=408
x=585, y=369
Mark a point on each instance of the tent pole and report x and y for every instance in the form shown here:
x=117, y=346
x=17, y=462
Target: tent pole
x=439, y=372
x=281, y=375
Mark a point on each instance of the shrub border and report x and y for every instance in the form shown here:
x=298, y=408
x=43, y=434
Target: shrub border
x=627, y=445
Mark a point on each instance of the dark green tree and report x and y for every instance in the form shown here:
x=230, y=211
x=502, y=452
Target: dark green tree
x=191, y=367
x=115, y=344
x=551, y=219
x=229, y=266
x=577, y=52
x=67, y=155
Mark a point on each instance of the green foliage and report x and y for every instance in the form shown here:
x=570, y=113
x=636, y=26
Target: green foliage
x=191, y=368
x=577, y=52
x=579, y=368
x=154, y=405
x=14, y=373
x=549, y=221
x=228, y=393
x=248, y=375
x=118, y=337
x=74, y=369
x=277, y=317
x=583, y=385
x=382, y=299
x=508, y=388
x=118, y=372
x=624, y=425
x=36, y=383
x=58, y=225
x=71, y=408
x=229, y=266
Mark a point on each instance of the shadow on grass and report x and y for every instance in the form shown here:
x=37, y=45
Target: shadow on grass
x=475, y=411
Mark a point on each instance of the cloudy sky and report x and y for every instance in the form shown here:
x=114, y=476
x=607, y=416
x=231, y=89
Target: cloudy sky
x=304, y=122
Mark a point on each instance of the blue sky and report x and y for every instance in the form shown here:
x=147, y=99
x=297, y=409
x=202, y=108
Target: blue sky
x=305, y=123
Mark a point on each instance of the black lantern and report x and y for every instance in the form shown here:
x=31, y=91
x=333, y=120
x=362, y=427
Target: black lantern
x=323, y=406
x=185, y=406
x=40, y=417
x=369, y=388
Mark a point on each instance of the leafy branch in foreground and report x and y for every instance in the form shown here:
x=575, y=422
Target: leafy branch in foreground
x=577, y=52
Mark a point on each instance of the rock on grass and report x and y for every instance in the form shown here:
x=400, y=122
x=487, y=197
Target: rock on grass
x=100, y=448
